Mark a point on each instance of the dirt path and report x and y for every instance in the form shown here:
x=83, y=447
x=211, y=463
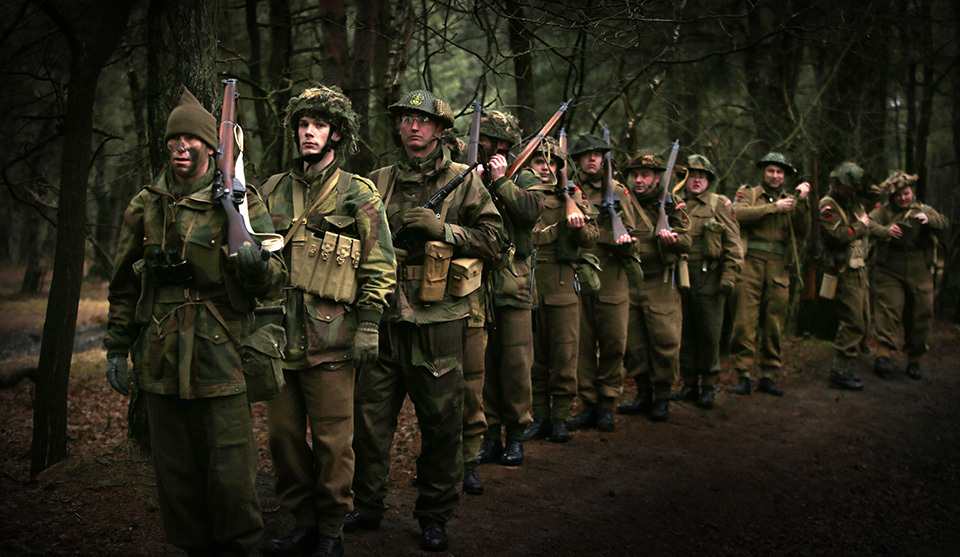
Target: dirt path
x=819, y=471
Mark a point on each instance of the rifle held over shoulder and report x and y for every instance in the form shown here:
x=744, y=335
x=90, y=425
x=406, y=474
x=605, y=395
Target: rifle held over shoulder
x=663, y=222
x=610, y=200
x=527, y=152
x=564, y=189
x=403, y=237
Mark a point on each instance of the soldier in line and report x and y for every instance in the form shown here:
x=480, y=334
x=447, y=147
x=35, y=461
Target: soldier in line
x=603, y=321
x=652, y=357
x=330, y=337
x=179, y=306
x=904, y=273
x=422, y=338
x=772, y=223
x=714, y=263
x=558, y=239
x=844, y=224
x=507, y=397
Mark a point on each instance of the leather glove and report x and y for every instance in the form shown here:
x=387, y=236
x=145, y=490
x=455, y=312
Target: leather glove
x=250, y=263
x=117, y=372
x=726, y=289
x=426, y=220
x=366, y=344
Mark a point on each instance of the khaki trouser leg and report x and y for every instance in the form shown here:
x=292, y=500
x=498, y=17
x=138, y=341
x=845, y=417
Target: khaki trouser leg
x=743, y=343
x=851, y=295
x=474, y=423
x=507, y=394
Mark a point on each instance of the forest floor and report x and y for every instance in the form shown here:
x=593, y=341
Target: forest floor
x=818, y=471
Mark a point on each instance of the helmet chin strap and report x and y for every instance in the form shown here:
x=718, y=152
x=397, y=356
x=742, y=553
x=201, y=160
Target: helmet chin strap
x=314, y=158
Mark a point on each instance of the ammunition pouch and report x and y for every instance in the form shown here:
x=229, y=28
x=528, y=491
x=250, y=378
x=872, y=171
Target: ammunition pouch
x=588, y=273
x=828, y=287
x=325, y=262
x=465, y=276
x=436, y=266
x=631, y=264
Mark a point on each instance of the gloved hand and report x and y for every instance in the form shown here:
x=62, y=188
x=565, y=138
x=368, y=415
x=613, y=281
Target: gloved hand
x=726, y=288
x=401, y=255
x=366, y=344
x=117, y=371
x=249, y=262
x=426, y=220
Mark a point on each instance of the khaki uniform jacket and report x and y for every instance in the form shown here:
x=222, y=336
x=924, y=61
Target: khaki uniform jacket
x=916, y=237
x=712, y=220
x=654, y=257
x=843, y=235
x=763, y=227
x=521, y=207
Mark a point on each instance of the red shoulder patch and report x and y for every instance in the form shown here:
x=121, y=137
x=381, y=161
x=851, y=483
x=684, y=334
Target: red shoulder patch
x=825, y=208
x=626, y=192
x=740, y=196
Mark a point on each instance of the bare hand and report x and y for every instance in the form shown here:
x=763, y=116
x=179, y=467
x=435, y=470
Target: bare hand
x=786, y=204
x=625, y=239
x=498, y=167
x=864, y=219
x=668, y=237
x=576, y=220
x=803, y=190
x=894, y=231
x=922, y=217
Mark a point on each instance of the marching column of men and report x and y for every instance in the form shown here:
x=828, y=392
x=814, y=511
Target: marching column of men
x=493, y=307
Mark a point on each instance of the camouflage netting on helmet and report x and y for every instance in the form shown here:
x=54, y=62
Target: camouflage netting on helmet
x=849, y=174
x=426, y=102
x=703, y=164
x=777, y=159
x=500, y=124
x=550, y=148
x=586, y=143
x=645, y=159
x=330, y=105
x=897, y=181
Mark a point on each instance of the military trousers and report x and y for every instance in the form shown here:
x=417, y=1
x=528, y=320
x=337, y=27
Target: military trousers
x=424, y=362
x=205, y=461
x=904, y=297
x=603, y=338
x=703, y=305
x=556, y=340
x=652, y=358
x=763, y=292
x=851, y=297
x=312, y=480
x=507, y=394
x=474, y=423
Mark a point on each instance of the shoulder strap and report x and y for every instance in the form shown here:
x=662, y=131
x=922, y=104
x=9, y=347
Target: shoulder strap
x=271, y=184
x=301, y=217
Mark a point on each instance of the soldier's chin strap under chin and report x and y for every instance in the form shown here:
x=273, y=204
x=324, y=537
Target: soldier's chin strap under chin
x=314, y=158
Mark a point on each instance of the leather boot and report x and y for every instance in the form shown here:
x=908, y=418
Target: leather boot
x=512, y=454
x=766, y=385
x=706, y=398
x=303, y=539
x=882, y=366
x=559, y=432
x=742, y=387
x=471, y=479
x=329, y=547
x=844, y=381
x=605, y=420
x=642, y=404
x=587, y=419
x=433, y=537
x=490, y=450
x=354, y=521
x=539, y=429
x=913, y=370
x=661, y=410
x=689, y=393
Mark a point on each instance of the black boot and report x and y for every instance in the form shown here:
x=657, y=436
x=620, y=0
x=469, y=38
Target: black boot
x=354, y=521
x=882, y=366
x=661, y=410
x=689, y=393
x=433, y=537
x=706, y=398
x=512, y=454
x=558, y=431
x=766, y=385
x=539, y=429
x=490, y=450
x=329, y=547
x=742, y=387
x=587, y=419
x=605, y=420
x=913, y=370
x=471, y=479
x=303, y=539
x=845, y=381
x=642, y=404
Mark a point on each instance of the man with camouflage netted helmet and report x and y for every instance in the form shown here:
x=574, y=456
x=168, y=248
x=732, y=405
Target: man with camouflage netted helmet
x=773, y=222
x=845, y=224
x=904, y=266
x=652, y=355
x=179, y=306
x=507, y=395
x=559, y=238
x=603, y=319
x=330, y=337
x=421, y=352
x=713, y=264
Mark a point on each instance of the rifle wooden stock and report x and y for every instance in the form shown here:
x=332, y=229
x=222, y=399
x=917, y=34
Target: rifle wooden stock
x=563, y=185
x=527, y=152
x=610, y=199
x=663, y=223
x=227, y=190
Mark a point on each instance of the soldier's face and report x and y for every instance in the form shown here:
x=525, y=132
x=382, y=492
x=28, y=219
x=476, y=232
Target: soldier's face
x=773, y=175
x=546, y=170
x=590, y=162
x=644, y=180
x=313, y=134
x=492, y=146
x=418, y=131
x=697, y=182
x=189, y=156
x=903, y=198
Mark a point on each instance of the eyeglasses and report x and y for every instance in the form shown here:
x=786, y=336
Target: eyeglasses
x=421, y=120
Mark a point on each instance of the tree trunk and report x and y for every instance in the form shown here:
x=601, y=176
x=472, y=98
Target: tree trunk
x=523, y=70
x=93, y=30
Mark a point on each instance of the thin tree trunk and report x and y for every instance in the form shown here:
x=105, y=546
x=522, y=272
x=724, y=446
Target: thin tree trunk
x=521, y=48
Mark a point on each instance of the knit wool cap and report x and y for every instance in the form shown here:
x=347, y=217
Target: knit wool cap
x=190, y=117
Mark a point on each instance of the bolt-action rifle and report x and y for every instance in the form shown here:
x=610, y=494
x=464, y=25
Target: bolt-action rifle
x=611, y=203
x=665, y=198
x=528, y=151
x=473, y=148
x=404, y=237
x=564, y=188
